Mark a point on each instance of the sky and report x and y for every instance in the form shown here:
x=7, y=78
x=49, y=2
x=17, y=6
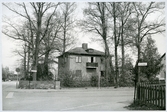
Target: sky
x=7, y=45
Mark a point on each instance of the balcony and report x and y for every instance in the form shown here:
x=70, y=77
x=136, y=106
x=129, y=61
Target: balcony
x=91, y=65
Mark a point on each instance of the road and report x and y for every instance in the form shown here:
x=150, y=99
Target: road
x=79, y=99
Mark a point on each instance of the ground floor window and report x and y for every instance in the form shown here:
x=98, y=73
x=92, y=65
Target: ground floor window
x=102, y=73
x=78, y=75
x=91, y=70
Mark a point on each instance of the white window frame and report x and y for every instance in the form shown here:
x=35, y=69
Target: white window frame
x=94, y=59
x=78, y=59
x=89, y=59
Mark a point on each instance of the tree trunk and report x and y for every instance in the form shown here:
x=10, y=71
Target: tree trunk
x=37, y=41
x=123, y=51
x=34, y=67
x=138, y=70
x=46, y=69
x=138, y=57
x=116, y=67
x=104, y=36
x=116, y=45
x=25, y=55
x=111, y=69
x=28, y=60
x=64, y=36
x=106, y=59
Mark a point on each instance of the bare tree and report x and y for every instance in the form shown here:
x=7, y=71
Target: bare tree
x=49, y=44
x=19, y=32
x=67, y=24
x=144, y=28
x=125, y=11
x=119, y=15
x=35, y=20
x=23, y=54
x=112, y=8
x=96, y=22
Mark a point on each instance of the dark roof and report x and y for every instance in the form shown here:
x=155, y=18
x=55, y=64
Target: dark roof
x=162, y=56
x=81, y=51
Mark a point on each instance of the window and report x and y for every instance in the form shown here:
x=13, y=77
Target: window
x=90, y=50
x=78, y=59
x=91, y=59
x=102, y=73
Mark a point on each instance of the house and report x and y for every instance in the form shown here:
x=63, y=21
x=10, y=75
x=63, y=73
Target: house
x=82, y=61
x=162, y=73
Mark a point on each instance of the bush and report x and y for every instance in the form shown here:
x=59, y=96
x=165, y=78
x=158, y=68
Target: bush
x=126, y=79
x=36, y=84
x=44, y=74
x=67, y=79
x=94, y=81
x=81, y=84
x=104, y=82
x=70, y=79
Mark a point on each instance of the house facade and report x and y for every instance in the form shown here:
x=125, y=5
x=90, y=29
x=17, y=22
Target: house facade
x=162, y=73
x=83, y=62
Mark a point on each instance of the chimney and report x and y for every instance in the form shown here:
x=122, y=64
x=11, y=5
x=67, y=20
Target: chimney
x=85, y=46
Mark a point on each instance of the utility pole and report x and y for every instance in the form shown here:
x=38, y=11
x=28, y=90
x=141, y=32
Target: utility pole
x=98, y=80
x=18, y=71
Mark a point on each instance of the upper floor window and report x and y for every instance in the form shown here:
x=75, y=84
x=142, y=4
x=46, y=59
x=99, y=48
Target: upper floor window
x=78, y=59
x=91, y=59
x=90, y=50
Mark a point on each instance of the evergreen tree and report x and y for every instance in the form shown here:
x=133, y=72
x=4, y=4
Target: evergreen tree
x=152, y=57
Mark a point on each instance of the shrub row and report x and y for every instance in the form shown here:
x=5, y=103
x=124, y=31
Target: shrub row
x=92, y=83
x=37, y=84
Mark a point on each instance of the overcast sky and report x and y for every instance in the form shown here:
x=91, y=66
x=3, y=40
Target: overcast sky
x=8, y=58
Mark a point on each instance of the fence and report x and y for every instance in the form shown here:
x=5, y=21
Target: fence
x=152, y=93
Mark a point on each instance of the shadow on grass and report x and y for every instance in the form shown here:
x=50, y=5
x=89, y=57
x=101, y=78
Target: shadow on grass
x=141, y=106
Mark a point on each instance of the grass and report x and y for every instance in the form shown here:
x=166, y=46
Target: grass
x=141, y=106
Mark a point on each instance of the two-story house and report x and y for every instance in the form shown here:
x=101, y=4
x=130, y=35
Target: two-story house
x=82, y=61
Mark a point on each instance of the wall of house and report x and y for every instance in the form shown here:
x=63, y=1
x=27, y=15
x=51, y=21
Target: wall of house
x=162, y=72
x=86, y=72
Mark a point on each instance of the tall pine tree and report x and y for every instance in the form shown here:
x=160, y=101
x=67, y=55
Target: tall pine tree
x=152, y=57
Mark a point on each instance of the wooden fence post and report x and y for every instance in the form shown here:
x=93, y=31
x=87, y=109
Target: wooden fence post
x=155, y=94
x=161, y=96
x=164, y=93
